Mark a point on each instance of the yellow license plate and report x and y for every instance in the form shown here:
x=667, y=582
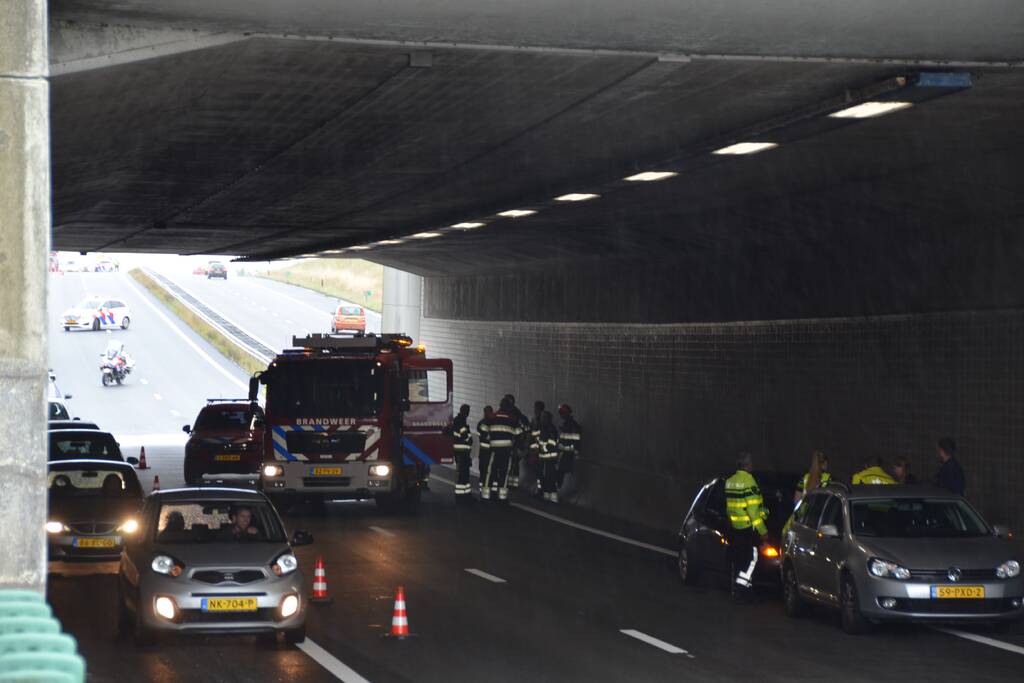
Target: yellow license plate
x=326, y=471
x=958, y=592
x=227, y=458
x=94, y=543
x=229, y=605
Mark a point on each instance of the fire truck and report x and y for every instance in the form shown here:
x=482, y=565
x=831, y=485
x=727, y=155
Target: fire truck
x=354, y=418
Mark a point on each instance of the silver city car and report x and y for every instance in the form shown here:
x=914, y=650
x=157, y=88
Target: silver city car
x=899, y=553
x=211, y=560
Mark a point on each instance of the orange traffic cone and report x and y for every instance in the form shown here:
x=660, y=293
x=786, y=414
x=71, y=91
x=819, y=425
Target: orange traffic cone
x=156, y=484
x=399, y=618
x=320, y=582
x=142, y=458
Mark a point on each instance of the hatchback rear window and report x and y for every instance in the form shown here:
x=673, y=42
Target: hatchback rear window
x=66, y=445
x=350, y=310
x=210, y=420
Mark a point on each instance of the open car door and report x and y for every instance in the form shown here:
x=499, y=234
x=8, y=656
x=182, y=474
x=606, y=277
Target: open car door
x=426, y=432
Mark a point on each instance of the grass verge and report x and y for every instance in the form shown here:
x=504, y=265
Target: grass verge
x=220, y=342
x=354, y=280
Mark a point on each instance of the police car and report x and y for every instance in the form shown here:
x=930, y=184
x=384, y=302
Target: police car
x=97, y=313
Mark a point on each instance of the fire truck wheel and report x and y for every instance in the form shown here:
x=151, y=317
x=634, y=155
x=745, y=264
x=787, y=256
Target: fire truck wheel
x=318, y=505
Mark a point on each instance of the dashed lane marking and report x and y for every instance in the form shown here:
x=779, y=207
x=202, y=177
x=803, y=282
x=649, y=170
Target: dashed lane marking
x=143, y=381
x=484, y=575
x=289, y=322
x=991, y=642
x=381, y=531
x=651, y=640
x=175, y=413
x=338, y=668
x=158, y=397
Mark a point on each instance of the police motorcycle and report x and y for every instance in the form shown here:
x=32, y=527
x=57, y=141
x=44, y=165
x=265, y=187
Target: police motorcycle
x=115, y=364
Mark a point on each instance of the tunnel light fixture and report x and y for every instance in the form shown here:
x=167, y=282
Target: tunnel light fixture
x=576, y=197
x=517, y=213
x=650, y=176
x=360, y=247
x=425, y=235
x=333, y=251
x=746, y=148
x=867, y=110
x=389, y=242
x=469, y=225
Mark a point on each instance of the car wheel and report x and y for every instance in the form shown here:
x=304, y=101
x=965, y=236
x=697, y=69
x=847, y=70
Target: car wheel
x=853, y=621
x=688, y=571
x=125, y=322
x=143, y=634
x=791, y=602
x=95, y=324
x=124, y=616
x=294, y=636
x=191, y=475
x=318, y=505
x=67, y=329
x=106, y=379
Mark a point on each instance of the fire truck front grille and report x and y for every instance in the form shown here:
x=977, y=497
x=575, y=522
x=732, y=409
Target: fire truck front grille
x=324, y=482
x=326, y=443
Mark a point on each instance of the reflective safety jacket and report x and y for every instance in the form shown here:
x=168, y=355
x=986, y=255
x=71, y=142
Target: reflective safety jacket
x=503, y=429
x=547, y=442
x=569, y=436
x=483, y=437
x=802, y=486
x=873, y=475
x=535, y=437
x=463, y=437
x=744, y=503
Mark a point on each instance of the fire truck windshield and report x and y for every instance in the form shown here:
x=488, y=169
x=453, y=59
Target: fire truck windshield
x=324, y=388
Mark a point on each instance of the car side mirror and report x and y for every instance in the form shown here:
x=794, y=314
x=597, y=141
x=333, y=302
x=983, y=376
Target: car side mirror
x=302, y=538
x=187, y=429
x=1002, y=531
x=254, y=388
x=828, y=531
x=67, y=396
x=132, y=460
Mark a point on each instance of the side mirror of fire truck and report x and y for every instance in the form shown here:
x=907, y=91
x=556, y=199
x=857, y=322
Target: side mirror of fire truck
x=405, y=405
x=254, y=388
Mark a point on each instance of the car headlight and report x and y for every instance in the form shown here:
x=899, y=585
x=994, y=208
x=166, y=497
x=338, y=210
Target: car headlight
x=1008, y=570
x=166, y=565
x=289, y=606
x=130, y=526
x=285, y=564
x=55, y=527
x=165, y=607
x=887, y=570
x=380, y=470
x=273, y=471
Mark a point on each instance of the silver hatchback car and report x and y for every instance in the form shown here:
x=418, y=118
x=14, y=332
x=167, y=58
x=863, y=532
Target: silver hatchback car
x=898, y=553
x=211, y=560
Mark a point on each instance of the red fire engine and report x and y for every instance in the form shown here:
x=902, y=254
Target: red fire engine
x=354, y=417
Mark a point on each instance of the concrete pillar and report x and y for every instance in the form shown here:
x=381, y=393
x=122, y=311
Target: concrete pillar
x=403, y=303
x=24, y=242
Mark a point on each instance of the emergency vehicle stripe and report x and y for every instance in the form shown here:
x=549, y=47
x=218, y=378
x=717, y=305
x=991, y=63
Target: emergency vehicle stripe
x=281, y=443
x=415, y=450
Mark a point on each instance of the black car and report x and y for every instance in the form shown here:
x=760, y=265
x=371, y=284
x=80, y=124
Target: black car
x=93, y=444
x=704, y=535
x=63, y=425
x=216, y=270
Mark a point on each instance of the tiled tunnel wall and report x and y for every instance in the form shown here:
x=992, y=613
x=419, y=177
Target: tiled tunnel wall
x=664, y=406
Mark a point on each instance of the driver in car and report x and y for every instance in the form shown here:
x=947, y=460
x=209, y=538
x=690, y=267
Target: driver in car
x=241, y=527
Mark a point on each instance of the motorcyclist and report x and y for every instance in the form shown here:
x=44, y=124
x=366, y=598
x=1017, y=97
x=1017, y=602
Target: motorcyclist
x=117, y=358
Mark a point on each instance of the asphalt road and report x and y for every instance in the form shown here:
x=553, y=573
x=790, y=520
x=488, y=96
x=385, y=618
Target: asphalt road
x=544, y=601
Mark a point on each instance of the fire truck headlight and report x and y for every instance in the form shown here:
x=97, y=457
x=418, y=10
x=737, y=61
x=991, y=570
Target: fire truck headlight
x=380, y=470
x=273, y=471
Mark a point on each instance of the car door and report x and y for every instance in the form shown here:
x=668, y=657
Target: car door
x=714, y=530
x=426, y=424
x=828, y=551
x=107, y=314
x=804, y=544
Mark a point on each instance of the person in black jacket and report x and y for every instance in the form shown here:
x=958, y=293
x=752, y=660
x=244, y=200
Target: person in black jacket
x=463, y=443
x=483, y=455
x=503, y=428
x=950, y=475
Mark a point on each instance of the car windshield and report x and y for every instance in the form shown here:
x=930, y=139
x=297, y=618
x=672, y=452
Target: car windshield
x=89, y=303
x=58, y=411
x=93, y=482
x=67, y=445
x=916, y=518
x=235, y=419
x=213, y=521
x=324, y=389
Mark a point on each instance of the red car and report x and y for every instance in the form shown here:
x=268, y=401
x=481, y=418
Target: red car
x=349, y=318
x=227, y=439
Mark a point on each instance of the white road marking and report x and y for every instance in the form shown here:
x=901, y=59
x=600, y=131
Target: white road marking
x=170, y=324
x=598, y=532
x=289, y=321
x=382, y=532
x=484, y=575
x=651, y=640
x=143, y=381
x=992, y=642
x=339, y=669
x=291, y=298
x=175, y=413
x=158, y=397
x=276, y=315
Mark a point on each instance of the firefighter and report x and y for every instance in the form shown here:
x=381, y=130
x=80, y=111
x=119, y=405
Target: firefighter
x=534, y=449
x=463, y=439
x=483, y=449
x=873, y=472
x=747, y=515
x=503, y=428
x=568, y=443
x=520, y=443
x=547, y=444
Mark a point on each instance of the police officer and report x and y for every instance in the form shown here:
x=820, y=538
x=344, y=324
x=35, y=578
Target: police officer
x=483, y=450
x=747, y=515
x=520, y=443
x=568, y=443
x=873, y=473
x=547, y=444
x=503, y=428
x=463, y=439
x=534, y=449
x=818, y=475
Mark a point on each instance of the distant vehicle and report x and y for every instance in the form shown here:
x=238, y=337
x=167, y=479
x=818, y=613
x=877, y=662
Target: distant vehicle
x=59, y=411
x=115, y=364
x=65, y=424
x=92, y=444
x=211, y=560
x=703, y=537
x=227, y=438
x=899, y=553
x=53, y=392
x=72, y=267
x=97, y=313
x=216, y=270
x=105, y=266
x=93, y=506
x=349, y=318
x=199, y=270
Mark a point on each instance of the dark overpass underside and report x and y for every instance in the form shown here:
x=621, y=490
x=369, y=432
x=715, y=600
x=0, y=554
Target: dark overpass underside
x=316, y=131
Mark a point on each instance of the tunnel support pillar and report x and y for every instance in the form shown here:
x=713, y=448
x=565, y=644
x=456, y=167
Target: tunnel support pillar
x=24, y=242
x=403, y=303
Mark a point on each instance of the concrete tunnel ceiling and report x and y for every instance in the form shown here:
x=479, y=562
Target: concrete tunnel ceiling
x=267, y=146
